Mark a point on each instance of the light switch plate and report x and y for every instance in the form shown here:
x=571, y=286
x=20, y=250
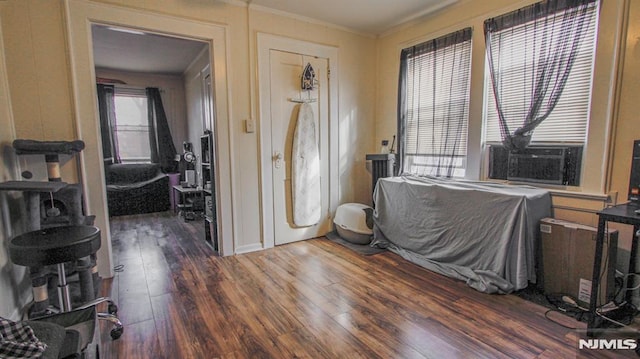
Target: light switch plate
x=250, y=125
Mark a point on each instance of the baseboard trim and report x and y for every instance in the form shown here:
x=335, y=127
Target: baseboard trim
x=249, y=248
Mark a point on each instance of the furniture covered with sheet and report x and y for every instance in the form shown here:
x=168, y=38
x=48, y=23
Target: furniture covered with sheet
x=136, y=189
x=483, y=233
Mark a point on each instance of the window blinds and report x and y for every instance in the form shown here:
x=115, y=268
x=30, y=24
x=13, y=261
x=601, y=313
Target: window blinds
x=520, y=49
x=437, y=105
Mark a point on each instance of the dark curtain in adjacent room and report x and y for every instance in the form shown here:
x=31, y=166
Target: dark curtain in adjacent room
x=107, y=109
x=163, y=151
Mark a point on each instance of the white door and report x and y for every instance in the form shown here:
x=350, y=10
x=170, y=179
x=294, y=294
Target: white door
x=285, y=85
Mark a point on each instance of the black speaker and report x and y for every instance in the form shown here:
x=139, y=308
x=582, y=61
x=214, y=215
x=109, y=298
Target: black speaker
x=634, y=178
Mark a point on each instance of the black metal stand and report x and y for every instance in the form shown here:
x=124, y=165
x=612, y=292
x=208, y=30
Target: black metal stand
x=624, y=213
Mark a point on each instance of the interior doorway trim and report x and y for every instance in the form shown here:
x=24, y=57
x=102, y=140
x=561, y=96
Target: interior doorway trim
x=266, y=43
x=80, y=14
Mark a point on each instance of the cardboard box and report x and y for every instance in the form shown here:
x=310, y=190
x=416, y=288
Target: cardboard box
x=568, y=251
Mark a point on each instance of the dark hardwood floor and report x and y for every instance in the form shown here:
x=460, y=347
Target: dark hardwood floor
x=310, y=299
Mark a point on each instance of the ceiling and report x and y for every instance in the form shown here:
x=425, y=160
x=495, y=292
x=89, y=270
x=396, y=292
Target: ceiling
x=116, y=48
x=122, y=49
x=365, y=16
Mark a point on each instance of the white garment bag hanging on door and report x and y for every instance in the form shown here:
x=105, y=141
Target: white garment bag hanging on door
x=305, y=170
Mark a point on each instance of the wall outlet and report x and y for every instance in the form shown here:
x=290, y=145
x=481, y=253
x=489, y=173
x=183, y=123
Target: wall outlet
x=250, y=125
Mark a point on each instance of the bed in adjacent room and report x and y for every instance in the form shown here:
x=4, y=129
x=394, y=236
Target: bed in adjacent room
x=483, y=233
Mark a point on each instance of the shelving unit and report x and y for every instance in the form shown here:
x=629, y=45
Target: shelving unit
x=209, y=188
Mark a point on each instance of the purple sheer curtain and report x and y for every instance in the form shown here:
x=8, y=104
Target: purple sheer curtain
x=547, y=58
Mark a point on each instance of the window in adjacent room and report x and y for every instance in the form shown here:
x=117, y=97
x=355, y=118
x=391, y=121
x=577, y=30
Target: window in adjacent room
x=540, y=64
x=433, y=106
x=132, y=124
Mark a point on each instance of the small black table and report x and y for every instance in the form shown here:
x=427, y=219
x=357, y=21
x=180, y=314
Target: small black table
x=623, y=213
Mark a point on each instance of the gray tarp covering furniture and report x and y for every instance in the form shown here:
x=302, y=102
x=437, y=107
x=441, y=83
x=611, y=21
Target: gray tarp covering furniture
x=482, y=233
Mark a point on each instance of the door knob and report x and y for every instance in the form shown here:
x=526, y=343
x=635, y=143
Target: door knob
x=278, y=158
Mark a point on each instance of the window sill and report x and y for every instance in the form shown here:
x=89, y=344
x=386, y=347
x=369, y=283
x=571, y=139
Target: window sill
x=562, y=191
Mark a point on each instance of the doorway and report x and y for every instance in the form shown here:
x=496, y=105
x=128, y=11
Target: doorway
x=128, y=62
x=78, y=15
x=281, y=64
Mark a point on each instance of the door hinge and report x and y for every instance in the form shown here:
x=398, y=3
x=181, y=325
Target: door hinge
x=328, y=72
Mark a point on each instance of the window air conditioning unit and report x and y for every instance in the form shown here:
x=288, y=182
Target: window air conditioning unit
x=559, y=165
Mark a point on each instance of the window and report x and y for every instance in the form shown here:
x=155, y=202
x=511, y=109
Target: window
x=433, y=106
x=132, y=125
x=524, y=42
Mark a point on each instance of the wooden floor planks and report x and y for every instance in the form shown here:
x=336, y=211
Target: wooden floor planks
x=310, y=299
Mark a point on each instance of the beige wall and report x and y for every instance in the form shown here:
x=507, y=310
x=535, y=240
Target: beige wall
x=14, y=280
x=38, y=62
x=627, y=127
x=613, y=121
x=356, y=93
x=38, y=73
x=594, y=190
x=465, y=13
